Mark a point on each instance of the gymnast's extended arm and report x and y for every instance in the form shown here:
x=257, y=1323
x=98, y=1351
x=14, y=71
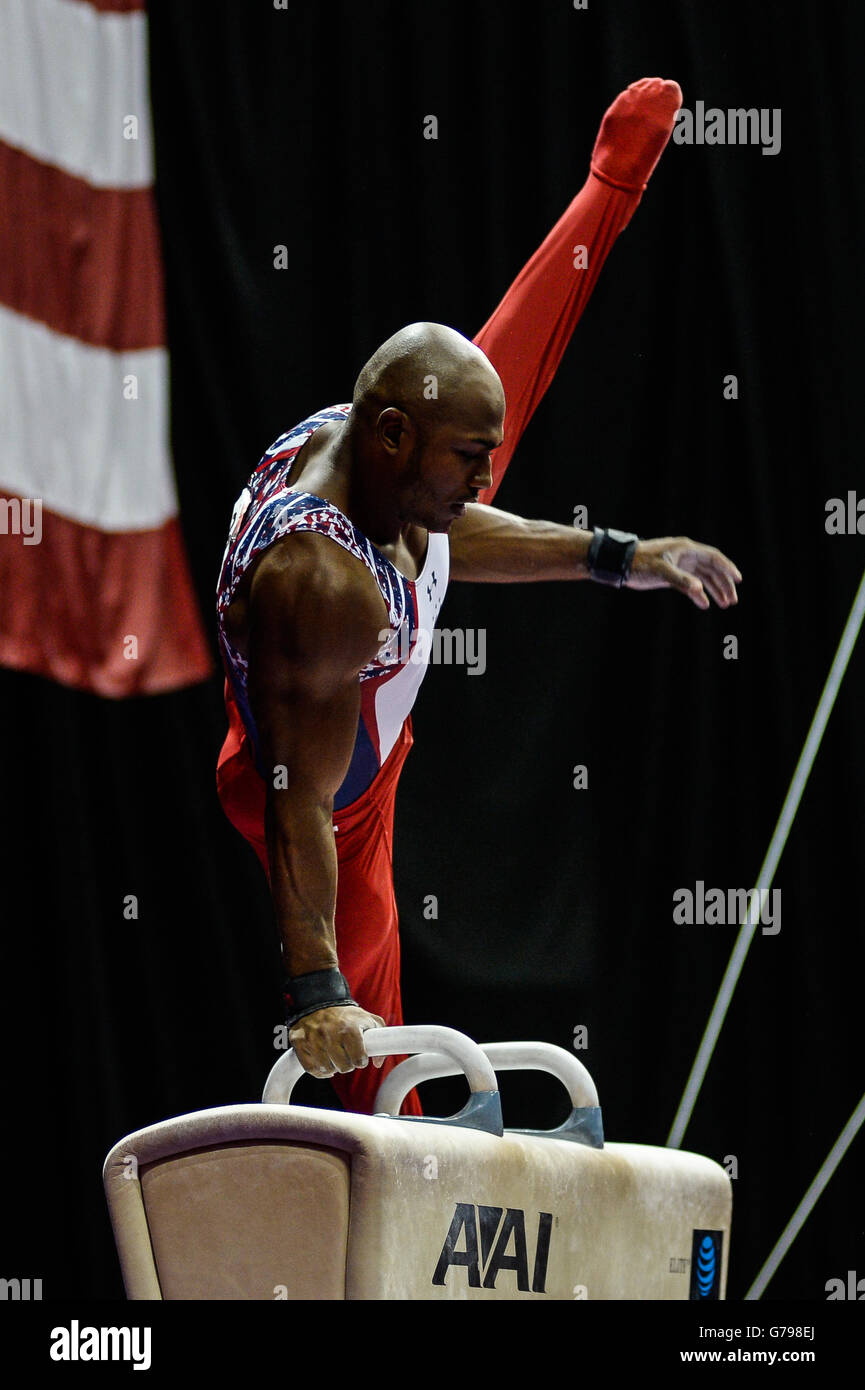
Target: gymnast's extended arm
x=491, y=546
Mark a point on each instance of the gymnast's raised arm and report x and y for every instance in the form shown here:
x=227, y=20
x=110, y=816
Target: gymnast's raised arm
x=315, y=618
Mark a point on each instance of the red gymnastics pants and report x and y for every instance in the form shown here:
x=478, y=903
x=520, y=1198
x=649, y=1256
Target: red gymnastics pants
x=524, y=339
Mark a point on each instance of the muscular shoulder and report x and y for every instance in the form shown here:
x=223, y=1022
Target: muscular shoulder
x=313, y=603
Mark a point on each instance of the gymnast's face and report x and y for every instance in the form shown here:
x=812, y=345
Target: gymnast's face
x=451, y=462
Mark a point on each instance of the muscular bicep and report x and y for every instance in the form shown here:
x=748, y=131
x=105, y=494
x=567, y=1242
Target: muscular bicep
x=316, y=619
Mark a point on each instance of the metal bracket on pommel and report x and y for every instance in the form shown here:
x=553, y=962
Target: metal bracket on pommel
x=460, y=1054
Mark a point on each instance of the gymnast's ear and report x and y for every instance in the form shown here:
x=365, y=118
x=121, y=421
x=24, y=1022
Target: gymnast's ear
x=395, y=431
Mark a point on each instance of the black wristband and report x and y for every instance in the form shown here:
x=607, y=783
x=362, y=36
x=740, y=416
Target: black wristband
x=320, y=989
x=611, y=554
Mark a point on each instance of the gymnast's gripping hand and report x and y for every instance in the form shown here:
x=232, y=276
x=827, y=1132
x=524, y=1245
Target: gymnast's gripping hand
x=679, y=563
x=331, y=1040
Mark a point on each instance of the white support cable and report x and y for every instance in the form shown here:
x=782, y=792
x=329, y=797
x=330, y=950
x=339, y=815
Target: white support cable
x=767, y=872
x=803, y=1211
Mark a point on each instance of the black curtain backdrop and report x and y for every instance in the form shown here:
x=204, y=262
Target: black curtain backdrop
x=304, y=128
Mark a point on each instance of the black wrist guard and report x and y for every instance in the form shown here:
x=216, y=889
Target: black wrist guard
x=321, y=989
x=611, y=554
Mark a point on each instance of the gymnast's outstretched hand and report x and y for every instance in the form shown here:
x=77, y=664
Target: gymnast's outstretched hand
x=675, y=562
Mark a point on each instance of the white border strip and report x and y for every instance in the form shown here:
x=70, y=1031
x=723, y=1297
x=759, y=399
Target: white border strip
x=69, y=76
x=72, y=438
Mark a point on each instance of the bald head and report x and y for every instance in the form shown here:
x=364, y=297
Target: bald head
x=432, y=373
x=427, y=412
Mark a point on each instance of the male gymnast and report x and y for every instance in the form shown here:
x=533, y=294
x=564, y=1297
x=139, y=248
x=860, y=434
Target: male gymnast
x=342, y=544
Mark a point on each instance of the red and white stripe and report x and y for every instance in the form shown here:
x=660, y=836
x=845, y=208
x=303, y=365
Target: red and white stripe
x=83, y=365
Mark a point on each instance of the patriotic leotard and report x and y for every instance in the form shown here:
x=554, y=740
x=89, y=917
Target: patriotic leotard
x=269, y=509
